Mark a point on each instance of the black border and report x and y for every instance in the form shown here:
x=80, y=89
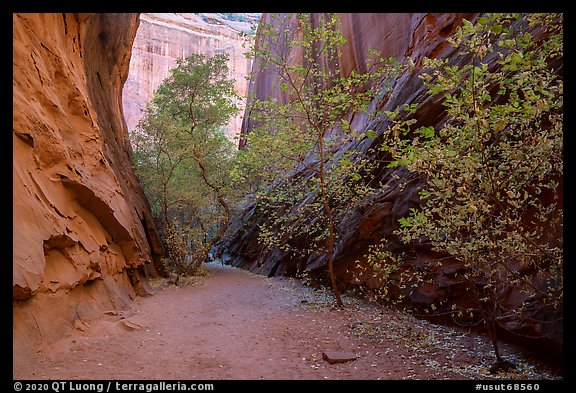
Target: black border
x=313, y=6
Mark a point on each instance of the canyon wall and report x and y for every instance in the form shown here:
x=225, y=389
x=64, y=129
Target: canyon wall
x=403, y=36
x=83, y=235
x=400, y=35
x=162, y=38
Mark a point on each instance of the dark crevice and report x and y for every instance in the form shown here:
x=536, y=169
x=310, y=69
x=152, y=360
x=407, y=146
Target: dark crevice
x=99, y=79
x=37, y=69
x=275, y=268
x=155, y=253
x=447, y=31
x=65, y=24
x=26, y=137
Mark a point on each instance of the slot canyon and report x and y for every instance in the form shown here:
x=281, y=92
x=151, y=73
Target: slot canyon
x=85, y=242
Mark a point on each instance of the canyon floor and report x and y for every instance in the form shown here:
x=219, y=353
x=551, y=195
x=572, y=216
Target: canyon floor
x=232, y=324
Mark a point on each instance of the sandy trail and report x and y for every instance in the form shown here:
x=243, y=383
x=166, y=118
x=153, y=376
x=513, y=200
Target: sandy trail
x=236, y=325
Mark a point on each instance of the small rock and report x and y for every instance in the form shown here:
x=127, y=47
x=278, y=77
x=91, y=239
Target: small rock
x=130, y=325
x=333, y=357
x=501, y=365
x=80, y=325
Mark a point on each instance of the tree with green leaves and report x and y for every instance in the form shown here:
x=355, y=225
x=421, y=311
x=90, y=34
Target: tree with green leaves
x=183, y=158
x=494, y=168
x=306, y=186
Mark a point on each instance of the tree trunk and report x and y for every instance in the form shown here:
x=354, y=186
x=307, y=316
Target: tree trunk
x=332, y=232
x=490, y=322
x=226, y=222
x=335, y=289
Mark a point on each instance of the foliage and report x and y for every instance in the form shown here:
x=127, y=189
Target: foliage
x=493, y=169
x=158, y=157
x=185, y=246
x=234, y=16
x=304, y=186
x=183, y=160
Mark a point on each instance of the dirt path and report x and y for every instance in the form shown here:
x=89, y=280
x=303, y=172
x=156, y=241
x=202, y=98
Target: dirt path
x=236, y=325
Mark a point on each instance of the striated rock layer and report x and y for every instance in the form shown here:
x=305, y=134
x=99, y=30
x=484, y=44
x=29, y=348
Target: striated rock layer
x=400, y=35
x=82, y=229
x=403, y=36
x=163, y=38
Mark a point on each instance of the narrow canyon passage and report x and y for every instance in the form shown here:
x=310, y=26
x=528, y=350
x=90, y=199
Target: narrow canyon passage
x=87, y=224
x=233, y=324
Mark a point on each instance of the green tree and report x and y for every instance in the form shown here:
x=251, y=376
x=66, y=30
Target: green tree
x=183, y=158
x=306, y=185
x=493, y=168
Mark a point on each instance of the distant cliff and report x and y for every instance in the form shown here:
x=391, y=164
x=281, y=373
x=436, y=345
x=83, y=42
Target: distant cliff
x=162, y=38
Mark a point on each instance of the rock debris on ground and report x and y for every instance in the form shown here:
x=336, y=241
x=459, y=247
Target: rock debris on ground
x=232, y=324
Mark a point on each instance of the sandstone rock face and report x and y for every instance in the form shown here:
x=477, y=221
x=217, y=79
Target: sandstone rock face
x=162, y=38
x=399, y=35
x=396, y=34
x=403, y=36
x=82, y=229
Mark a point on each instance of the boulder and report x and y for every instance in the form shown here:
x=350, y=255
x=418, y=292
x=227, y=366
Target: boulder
x=334, y=357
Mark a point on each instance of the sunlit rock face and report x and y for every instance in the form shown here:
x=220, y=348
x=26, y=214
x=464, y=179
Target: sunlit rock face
x=83, y=235
x=163, y=38
x=403, y=36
